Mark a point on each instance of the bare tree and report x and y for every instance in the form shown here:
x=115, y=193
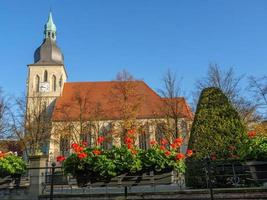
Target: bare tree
x=258, y=86
x=229, y=83
x=4, y=126
x=171, y=93
x=127, y=100
x=85, y=127
x=226, y=80
x=172, y=85
x=31, y=123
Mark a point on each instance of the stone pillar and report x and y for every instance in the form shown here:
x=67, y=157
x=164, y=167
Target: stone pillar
x=37, y=165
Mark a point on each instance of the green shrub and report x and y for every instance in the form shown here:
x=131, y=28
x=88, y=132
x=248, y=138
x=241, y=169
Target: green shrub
x=11, y=164
x=98, y=164
x=217, y=130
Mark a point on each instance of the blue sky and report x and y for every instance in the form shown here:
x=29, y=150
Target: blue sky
x=101, y=37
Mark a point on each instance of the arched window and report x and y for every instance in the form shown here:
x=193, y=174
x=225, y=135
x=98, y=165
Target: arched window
x=37, y=83
x=87, y=138
x=161, y=129
x=184, y=133
x=144, y=137
x=64, y=146
x=60, y=81
x=86, y=134
x=45, y=76
x=106, y=132
x=184, y=128
x=54, y=83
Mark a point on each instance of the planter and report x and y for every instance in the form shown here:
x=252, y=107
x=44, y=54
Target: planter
x=140, y=178
x=258, y=170
x=16, y=178
x=83, y=179
x=5, y=180
x=8, y=179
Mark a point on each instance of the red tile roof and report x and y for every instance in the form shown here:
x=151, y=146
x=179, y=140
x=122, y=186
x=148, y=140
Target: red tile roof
x=178, y=107
x=104, y=100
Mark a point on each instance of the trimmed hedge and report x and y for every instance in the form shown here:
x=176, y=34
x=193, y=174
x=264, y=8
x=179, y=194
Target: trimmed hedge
x=217, y=130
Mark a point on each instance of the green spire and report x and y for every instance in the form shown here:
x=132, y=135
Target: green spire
x=50, y=28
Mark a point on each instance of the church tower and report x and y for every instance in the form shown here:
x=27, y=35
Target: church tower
x=47, y=74
x=46, y=77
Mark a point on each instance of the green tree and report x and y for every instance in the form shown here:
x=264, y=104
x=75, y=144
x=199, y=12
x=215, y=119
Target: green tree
x=217, y=129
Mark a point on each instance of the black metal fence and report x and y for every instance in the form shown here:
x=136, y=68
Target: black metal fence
x=225, y=174
x=205, y=174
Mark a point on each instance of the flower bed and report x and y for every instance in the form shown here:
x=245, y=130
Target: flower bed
x=255, y=152
x=11, y=165
x=96, y=165
x=255, y=146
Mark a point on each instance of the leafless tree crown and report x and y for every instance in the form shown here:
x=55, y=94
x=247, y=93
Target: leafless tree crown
x=258, y=87
x=229, y=83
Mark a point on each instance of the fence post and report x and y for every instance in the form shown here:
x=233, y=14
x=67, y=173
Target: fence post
x=52, y=181
x=125, y=192
x=37, y=169
x=209, y=177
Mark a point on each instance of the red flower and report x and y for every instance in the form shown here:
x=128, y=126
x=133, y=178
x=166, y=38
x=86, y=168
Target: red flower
x=2, y=154
x=168, y=153
x=178, y=141
x=164, y=141
x=74, y=145
x=96, y=152
x=162, y=147
x=189, y=152
x=251, y=134
x=129, y=146
x=153, y=142
x=84, y=143
x=78, y=149
x=131, y=132
x=173, y=145
x=133, y=151
x=100, y=139
x=61, y=158
x=128, y=140
x=180, y=156
x=82, y=155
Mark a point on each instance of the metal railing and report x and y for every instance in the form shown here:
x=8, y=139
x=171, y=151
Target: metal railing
x=206, y=174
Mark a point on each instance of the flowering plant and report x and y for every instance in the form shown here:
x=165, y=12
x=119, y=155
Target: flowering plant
x=98, y=164
x=161, y=157
x=11, y=164
x=255, y=146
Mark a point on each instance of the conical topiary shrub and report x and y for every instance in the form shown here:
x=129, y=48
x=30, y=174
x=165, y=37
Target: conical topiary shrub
x=217, y=130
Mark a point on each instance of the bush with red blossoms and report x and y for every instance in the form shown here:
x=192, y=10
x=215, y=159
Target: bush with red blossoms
x=165, y=156
x=255, y=145
x=100, y=164
x=60, y=159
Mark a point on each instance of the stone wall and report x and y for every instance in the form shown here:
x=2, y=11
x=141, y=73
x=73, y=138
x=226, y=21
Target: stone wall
x=231, y=193
x=21, y=193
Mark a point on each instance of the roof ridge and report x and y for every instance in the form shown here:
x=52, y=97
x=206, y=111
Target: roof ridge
x=103, y=81
x=151, y=90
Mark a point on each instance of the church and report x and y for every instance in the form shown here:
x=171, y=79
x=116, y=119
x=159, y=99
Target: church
x=60, y=112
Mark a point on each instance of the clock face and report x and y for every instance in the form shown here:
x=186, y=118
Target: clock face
x=44, y=87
